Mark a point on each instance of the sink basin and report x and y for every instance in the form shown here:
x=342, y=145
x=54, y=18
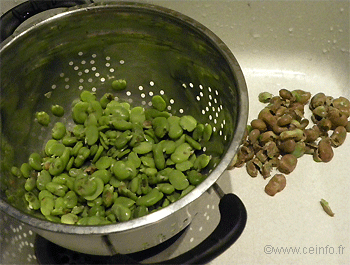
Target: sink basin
x=292, y=45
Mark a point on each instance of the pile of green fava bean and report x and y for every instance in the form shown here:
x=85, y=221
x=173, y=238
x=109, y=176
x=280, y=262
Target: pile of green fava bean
x=117, y=163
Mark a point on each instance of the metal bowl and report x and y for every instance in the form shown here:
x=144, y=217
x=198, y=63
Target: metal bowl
x=158, y=51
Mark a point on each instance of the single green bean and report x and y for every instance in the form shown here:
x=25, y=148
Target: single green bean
x=121, y=212
x=151, y=198
x=35, y=161
x=158, y=103
x=33, y=202
x=43, y=118
x=119, y=84
x=58, y=131
x=178, y=180
x=57, y=110
x=188, y=123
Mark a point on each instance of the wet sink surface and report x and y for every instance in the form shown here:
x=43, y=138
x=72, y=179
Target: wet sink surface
x=292, y=45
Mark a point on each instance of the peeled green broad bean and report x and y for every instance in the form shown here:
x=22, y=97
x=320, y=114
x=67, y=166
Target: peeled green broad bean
x=91, y=134
x=66, y=156
x=47, y=204
x=188, y=123
x=104, y=162
x=201, y=161
x=98, y=154
x=158, y=155
x=103, y=174
x=105, y=99
x=184, y=166
x=87, y=96
x=97, y=210
x=195, y=177
x=82, y=155
x=98, y=190
x=54, y=148
x=26, y=170
x=123, y=139
x=126, y=202
x=166, y=188
x=135, y=185
x=30, y=183
x=85, y=186
x=80, y=112
x=148, y=161
x=77, y=209
x=79, y=131
x=124, y=191
x=160, y=126
x=193, y=143
x=121, y=212
x=35, y=161
x=119, y=84
x=57, y=110
x=57, y=189
x=124, y=170
x=175, y=130
x=150, y=198
x=152, y=113
x=33, y=201
x=187, y=191
x=182, y=153
x=134, y=158
x=69, y=218
x=208, y=131
x=173, y=197
x=69, y=140
x=143, y=148
x=137, y=115
x=76, y=148
x=168, y=146
x=43, y=118
x=197, y=134
x=57, y=166
x=45, y=193
x=140, y=211
x=178, y=180
x=16, y=171
x=158, y=103
x=121, y=124
x=70, y=199
x=108, y=195
x=58, y=131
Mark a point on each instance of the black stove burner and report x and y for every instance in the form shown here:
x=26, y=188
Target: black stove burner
x=50, y=253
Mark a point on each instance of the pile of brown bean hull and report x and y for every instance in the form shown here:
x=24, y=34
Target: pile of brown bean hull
x=281, y=134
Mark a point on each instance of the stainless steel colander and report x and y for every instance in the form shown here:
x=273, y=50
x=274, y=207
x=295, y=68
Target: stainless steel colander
x=158, y=52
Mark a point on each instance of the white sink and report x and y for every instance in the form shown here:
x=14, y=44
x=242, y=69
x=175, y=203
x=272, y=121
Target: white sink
x=293, y=45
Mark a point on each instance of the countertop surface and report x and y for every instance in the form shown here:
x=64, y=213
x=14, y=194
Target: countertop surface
x=293, y=45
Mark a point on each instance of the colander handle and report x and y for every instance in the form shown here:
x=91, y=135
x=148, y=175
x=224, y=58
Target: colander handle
x=17, y=15
x=233, y=218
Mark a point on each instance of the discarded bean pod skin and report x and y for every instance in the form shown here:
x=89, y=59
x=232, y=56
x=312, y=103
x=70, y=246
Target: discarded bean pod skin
x=326, y=207
x=317, y=100
x=287, y=146
x=276, y=184
x=287, y=163
x=324, y=151
x=338, y=137
x=259, y=124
